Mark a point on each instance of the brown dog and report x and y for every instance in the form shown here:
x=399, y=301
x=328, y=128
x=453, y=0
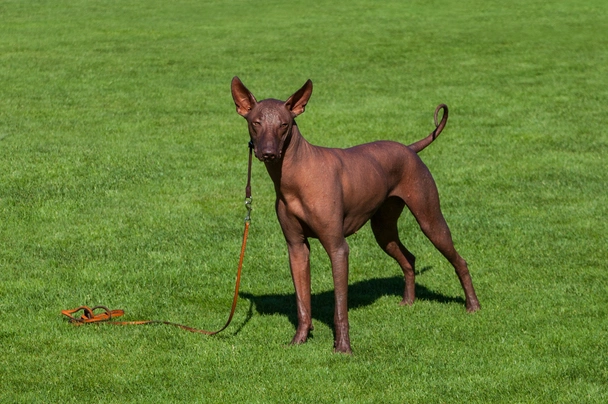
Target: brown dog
x=329, y=194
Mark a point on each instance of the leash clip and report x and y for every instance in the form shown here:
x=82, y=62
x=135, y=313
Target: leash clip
x=248, y=206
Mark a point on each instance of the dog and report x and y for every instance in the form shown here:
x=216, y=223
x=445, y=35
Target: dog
x=329, y=194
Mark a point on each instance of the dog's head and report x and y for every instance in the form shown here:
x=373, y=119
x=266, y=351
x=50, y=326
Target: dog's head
x=270, y=121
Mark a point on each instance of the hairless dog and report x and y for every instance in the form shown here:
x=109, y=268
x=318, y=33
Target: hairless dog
x=329, y=194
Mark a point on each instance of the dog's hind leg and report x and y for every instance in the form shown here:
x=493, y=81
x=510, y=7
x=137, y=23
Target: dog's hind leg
x=423, y=202
x=384, y=226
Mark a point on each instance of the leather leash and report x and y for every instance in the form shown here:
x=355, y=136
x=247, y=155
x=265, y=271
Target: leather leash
x=89, y=315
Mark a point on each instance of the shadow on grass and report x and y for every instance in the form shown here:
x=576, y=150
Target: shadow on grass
x=360, y=294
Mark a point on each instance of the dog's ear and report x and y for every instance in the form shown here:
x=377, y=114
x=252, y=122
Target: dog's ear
x=243, y=99
x=297, y=102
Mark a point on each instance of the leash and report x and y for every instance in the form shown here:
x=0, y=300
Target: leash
x=107, y=315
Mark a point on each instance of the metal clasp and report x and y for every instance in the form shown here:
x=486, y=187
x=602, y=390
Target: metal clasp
x=249, y=208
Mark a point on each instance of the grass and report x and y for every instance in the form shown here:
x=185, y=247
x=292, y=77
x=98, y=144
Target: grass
x=122, y=168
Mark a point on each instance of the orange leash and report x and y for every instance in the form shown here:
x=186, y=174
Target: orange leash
x=106, y=315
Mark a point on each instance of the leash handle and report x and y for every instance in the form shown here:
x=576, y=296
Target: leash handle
x=89, y=316
x=107, y=315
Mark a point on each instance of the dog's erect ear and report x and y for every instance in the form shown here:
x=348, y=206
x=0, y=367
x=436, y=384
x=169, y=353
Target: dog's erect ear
x=297, y=102
x=242, y=97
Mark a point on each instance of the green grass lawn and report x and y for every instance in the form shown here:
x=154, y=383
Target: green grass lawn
x=122, y=174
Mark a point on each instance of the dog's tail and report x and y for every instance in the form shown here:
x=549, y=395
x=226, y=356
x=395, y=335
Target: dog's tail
x=422, y=143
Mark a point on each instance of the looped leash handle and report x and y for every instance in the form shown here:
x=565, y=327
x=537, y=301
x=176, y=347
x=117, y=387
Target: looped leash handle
x=89, y=315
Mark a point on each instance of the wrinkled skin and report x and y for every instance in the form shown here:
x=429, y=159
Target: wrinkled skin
x=329, y=194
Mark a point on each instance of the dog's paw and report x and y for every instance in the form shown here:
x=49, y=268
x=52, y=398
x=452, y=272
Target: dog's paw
x=342, y=347
x=473, y=306
x=301, y=335
x=406, y=302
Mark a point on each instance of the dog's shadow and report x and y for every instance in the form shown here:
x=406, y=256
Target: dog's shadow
x=360, y=294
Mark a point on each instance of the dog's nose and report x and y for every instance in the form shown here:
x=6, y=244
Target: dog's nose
x=268, y=155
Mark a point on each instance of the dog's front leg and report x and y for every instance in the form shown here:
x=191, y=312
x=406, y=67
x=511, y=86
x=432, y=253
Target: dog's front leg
x=338, y=254
x=299, y=262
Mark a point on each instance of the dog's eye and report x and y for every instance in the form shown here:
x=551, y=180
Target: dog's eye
x=284, y=125
x=255, y=123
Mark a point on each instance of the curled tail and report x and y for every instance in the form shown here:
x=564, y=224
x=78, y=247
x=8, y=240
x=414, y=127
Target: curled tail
x=422, y=143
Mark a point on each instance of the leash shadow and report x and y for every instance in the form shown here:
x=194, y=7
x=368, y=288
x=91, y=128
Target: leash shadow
x=360, y=294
